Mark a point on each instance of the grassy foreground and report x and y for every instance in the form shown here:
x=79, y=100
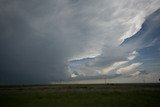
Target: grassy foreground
x=81, y=96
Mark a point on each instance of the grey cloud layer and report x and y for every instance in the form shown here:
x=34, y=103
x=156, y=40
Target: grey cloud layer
x=38, y=37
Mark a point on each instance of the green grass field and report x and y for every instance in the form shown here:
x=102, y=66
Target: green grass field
x=113, y=95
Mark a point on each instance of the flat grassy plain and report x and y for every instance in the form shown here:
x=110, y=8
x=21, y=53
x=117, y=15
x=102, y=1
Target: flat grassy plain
x=80, y=95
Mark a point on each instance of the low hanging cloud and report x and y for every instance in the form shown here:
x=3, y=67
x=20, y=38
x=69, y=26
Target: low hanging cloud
x=128, y=69
x=112, y=67
x=135, y=74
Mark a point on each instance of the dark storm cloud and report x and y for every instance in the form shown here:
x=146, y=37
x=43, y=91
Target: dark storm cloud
x=39, y=37
x=27, y=55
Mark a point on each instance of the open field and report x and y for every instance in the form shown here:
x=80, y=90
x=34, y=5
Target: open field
x=91, y=95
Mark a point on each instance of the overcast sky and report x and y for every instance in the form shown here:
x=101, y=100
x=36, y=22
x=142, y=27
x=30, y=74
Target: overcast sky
x=44, y=41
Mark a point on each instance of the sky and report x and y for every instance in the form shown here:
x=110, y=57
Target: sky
x=50, y=41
